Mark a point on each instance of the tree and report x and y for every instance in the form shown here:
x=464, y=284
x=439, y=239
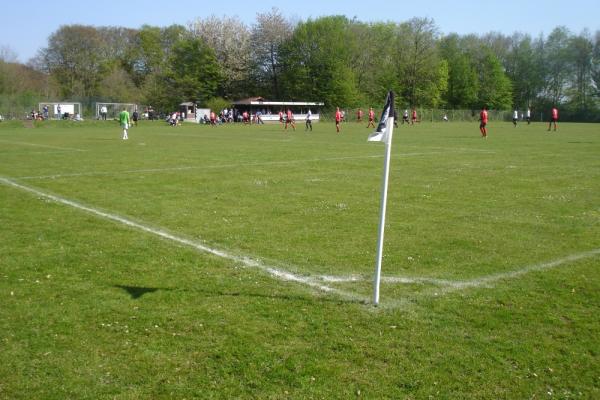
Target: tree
x=117, y=86
x=495, y=90
x=462, y=84
x=524, y=70
x=194, y=73
x=150, y=51
x=269, y=33
x=373, y=59
x=316, y=63
x=582, y=54
x=557, y=66
x=229, y=38
x=75, y=57
x=418, y=62
x=596, y=65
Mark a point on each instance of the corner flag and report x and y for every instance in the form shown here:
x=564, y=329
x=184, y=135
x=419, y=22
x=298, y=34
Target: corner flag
x=383, y=133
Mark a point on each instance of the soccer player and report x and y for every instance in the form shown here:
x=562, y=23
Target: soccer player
x=338, y=119
x=483, y=118
x=308, y=121
x=515, y=117
x=371, y=118
x=124, y=120
x=359, y=115
x=553, y=118
x=414, y=117
x=290, y=120
x=281, y=117
x=135, y=117
x=405, y=117
x=528, y=115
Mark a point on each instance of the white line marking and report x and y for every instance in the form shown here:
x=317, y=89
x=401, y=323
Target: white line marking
x=238, y=165
x=41, y=145
x=192, y=167
x=489, y=280
x=12, y=153
x=454, y=285
x=246, y=261
x=387, y=279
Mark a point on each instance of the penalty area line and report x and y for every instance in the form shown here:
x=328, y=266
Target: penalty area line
x=276, y=273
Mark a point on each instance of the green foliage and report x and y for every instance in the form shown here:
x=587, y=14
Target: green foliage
x=495, y=89
x=217, y=104
x=332, y=59
x=417, y=62
x=193, y=71
x=316, y=61
x=462, y=86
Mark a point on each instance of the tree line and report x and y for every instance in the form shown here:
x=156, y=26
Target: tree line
x=340, y=61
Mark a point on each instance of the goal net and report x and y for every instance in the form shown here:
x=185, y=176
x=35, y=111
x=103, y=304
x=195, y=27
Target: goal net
x=113, y=109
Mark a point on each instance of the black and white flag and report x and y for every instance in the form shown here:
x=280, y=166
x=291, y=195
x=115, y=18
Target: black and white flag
x=386, y=122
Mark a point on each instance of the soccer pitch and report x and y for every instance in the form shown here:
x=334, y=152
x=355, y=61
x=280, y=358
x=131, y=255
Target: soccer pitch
x=237, y=262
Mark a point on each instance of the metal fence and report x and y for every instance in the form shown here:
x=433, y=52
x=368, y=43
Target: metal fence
x=428, y=115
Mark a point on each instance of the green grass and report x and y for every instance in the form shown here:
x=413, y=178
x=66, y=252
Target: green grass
x=91, y=308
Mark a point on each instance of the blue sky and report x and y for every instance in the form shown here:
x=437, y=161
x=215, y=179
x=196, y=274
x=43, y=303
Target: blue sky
x=26, y=26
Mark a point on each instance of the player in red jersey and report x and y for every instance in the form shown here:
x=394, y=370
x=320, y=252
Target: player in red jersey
x=414, y=116
x=359, y=115
x=290, y=120
x=553, y=119
x=483, y=118
x=371, y=118
x=213, y=118
x=338, y=119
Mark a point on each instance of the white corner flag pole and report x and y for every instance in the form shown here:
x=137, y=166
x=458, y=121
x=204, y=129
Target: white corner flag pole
x=384, y=187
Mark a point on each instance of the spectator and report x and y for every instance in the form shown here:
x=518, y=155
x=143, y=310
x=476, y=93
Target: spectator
x=103, y=112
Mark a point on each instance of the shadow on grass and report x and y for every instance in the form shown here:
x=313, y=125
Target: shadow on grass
x=138, y=291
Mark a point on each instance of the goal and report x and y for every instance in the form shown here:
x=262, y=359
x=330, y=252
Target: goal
x=60, y=110
x=113, y=109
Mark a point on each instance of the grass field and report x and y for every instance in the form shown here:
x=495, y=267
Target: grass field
x=236, y=262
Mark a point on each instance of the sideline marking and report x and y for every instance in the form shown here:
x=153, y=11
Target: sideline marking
x=186, y=168
x=388, y=279
x=448, y=286
x=489, y=280
x=246, y=261
x=41, y=145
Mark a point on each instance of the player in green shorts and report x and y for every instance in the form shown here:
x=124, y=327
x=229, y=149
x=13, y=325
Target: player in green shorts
x=124, y=120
